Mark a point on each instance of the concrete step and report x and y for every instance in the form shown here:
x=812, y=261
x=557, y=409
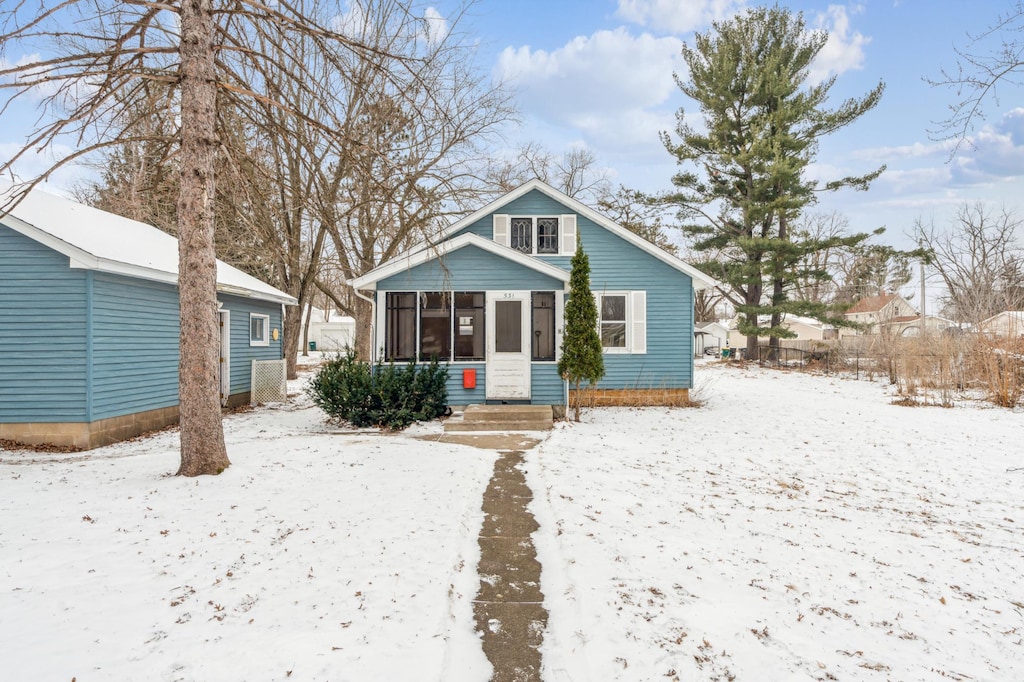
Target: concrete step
x=497, y=413
x=453, y=425
x=501, y=418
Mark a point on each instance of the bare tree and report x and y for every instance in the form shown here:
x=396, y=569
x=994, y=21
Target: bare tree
x=99, y=58
x=979, y=259
x=991, y=58
x=575, y=172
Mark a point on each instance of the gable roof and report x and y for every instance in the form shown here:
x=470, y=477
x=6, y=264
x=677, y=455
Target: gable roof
x=700, y=280
x=97, y=240
x=871, y=304
x=409, y=261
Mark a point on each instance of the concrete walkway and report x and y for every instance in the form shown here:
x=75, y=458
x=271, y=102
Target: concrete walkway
x=509, y=607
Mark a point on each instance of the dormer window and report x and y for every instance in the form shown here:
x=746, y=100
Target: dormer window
x=540, y=235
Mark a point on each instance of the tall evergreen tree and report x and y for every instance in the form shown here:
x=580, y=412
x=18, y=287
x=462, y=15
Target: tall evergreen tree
x=744, y=183
x=581, y=346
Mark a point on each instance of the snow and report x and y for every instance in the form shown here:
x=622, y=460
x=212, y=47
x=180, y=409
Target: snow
x=794, y=527
x=333, y=555
x=118, y=244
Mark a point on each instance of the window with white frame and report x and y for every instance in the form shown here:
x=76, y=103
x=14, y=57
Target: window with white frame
x=539, y=235
x=622, y=321
x=259, y=330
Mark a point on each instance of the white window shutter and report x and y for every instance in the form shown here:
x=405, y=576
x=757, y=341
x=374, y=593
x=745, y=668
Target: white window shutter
x=501, y=231
x=568, y=235
x=638, y=321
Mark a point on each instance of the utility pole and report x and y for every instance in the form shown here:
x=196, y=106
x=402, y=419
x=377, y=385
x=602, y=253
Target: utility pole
x=924, y=320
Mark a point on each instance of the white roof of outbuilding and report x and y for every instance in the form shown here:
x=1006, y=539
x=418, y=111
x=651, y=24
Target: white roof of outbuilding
x=97, y=240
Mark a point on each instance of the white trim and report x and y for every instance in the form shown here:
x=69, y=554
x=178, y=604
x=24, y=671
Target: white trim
x=393, y=267
x=636, y=321
x=224, y=318
x=265, y=341
x=700, y=280
x=615, y=350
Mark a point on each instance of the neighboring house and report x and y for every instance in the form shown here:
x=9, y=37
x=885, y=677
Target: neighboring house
x=487, y=298
x=911, y=325
x=1009, y=323
x=329, y=330
x=805, y=328
x=709, y=338
x=89, y=325
x=876, y=313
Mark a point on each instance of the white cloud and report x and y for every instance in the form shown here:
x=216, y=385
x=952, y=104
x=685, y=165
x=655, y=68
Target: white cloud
x=435, y=26
x=844, y=50
x=610, y=71
x=676, y=16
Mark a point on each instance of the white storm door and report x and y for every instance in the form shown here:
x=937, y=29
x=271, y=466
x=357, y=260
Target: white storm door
x=508, y=345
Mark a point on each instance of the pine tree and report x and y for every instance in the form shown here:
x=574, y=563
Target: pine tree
x=747, y=178
x=581, y=346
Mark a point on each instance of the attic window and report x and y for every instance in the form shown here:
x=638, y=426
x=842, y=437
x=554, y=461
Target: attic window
x=534, y=235
x=540, y=235
x=547, y=235
x=522, y=234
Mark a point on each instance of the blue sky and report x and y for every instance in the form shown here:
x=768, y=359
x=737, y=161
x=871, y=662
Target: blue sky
x=598, y=74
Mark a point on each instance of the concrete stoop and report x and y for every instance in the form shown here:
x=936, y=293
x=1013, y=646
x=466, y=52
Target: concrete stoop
x=501, y=418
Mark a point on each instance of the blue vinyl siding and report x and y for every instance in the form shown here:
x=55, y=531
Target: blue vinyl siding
x=546, y=387
x=470, y=269
x=43, y=325
x=457, y=395
x=617, y=265
x=242, y=354
x=135, y=329
x=533, y=203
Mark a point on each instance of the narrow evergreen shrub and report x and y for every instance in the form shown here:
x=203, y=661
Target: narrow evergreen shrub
x=383, y=395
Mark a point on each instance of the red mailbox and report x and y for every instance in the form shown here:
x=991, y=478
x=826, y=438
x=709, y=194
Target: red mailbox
x=469, y=378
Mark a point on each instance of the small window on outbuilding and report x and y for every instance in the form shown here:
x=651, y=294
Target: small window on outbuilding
x=259, y=330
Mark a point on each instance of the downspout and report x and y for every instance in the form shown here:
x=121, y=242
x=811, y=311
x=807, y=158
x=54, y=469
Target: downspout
x=372, y=300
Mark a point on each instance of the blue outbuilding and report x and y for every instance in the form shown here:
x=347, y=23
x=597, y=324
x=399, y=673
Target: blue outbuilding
x=89, y=325
x=488, y=299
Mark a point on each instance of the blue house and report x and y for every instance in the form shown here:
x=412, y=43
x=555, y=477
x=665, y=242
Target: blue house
x=89, y=325
x=488, y=297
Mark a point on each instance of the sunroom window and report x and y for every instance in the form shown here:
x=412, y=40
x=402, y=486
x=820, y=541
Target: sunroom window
x=543, y=337
x=425, y=325
x=435, y=326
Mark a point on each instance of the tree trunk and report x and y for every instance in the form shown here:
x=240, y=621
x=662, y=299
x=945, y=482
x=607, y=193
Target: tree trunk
x=364, y=330
x=202, y=433
x=292, y=331
x=305, y=327
x=753, y=299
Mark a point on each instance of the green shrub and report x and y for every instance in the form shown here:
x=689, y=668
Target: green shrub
x=381, y=395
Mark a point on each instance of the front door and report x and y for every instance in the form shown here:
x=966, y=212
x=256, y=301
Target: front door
x=508, y=345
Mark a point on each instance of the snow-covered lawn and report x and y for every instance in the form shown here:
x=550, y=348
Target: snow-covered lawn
x=795, y=527
x=329, y=557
